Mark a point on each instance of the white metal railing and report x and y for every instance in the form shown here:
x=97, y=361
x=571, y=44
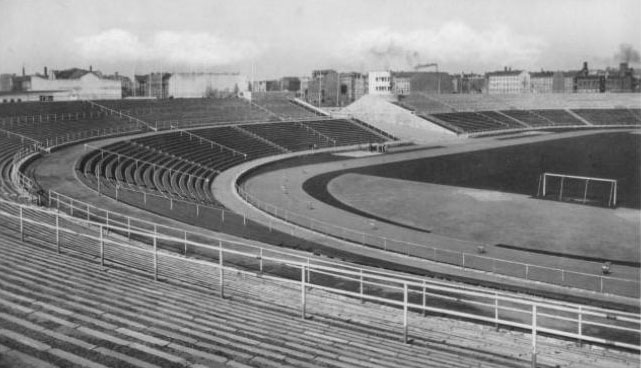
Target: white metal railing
x=77, y=208
x=528, y=271
x=316, y=132
x=588, y=324
x=120, y=186
x=212, y=143
x=122, y=115
x=200, y=122
x=41, y=118
x=556, y=276
x=74, y=137
x=118, y=155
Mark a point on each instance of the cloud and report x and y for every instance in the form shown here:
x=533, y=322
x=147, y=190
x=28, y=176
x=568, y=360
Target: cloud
x=453, y=42
x=167, y=46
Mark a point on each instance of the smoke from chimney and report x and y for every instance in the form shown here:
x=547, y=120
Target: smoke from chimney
x=627, y=54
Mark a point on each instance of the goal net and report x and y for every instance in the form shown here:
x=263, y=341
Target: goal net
x=579, y=189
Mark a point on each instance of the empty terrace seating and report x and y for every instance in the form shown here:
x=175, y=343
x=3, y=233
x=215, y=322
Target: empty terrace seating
x=9, y=146
x=559, y=117
x=531, y=118
x=610, y=116
x=42, y=108
x=434, y=103
x=189, y=112
x=138, y=168
x=64, y=310
x=49, y=130
x=472, y=122
x=346, y=132
x=290, y=135
x=509, y=122
x=189, y=147
x=286, y=109
x=238, y=140
x=177, y=164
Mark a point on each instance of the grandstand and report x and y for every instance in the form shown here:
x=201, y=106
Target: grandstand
x=474, y=114
x=282, y=105
x=155, y=306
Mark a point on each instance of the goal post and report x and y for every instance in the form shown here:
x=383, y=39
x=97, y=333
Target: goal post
x=578, y=189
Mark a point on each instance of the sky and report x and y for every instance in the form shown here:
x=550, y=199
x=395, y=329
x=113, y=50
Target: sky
x=274, y=38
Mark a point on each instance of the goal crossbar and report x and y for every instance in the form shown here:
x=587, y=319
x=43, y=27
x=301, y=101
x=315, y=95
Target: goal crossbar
x=612, y=195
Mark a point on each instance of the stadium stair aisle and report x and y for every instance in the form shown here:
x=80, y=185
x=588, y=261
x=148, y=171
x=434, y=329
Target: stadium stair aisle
x=66, y=311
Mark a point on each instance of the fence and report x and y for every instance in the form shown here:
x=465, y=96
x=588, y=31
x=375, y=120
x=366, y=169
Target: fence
x=146, y=247
x=556, y=276
x=204, y=214
x=40, y=118
x=90, y=134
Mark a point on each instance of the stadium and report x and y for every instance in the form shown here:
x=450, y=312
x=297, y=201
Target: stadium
x=268, y=232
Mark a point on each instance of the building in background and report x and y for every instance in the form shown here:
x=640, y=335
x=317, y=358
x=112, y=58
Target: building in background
x=562, y=82
x=259, y=86
x=61, y=85
x=324, y=88
x=587, y=81
x=406, y=82
x=401, y=85
x=290, y=84
x=621, y=80
x=127, y=86
x=6, y=82
x=353, y=86
x=303, y=92
x=508, y=81
x=379, y=83
x=152, y=85
x=468, y=83
x=195, y=85
x=541, y=82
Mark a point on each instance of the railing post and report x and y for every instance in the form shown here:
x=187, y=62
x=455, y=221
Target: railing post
x=21, y=225
x=260, y=260
x=302, y=290
x=361, y=285
x=424, y=299
x=220, y=267
x=601, y=282
x=58, y=232
x=534, y=336
x=185, y=242
x=88, y=213
x=102, y=248
x=155, y=253
x=405, y=312
x=496, y=311
x=580, y=325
